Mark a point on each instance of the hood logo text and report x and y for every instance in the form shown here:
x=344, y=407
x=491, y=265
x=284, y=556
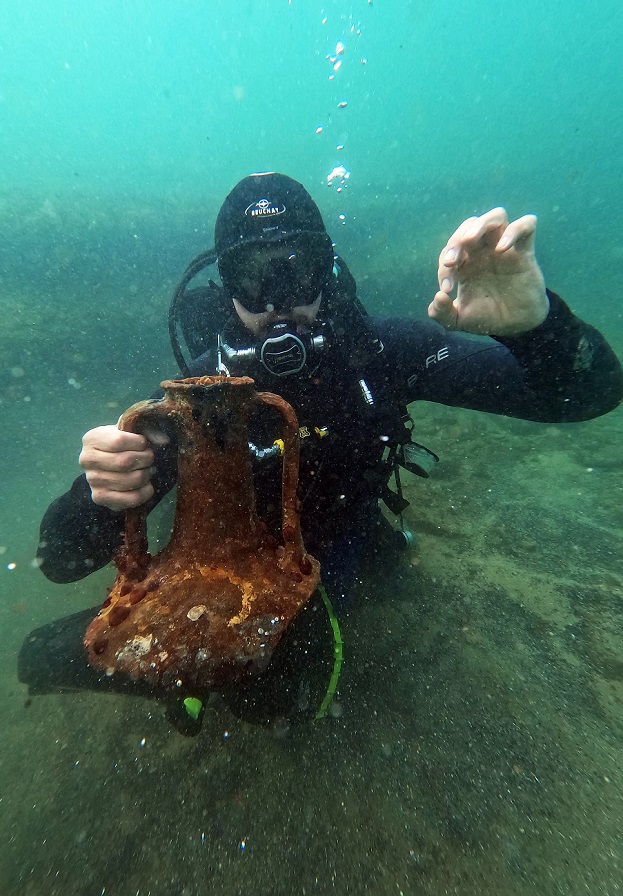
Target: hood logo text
x=264, y=208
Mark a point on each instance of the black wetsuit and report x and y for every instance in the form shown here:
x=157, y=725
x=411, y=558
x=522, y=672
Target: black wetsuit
x=562, y=371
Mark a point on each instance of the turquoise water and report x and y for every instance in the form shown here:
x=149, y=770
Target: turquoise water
x=477, y=741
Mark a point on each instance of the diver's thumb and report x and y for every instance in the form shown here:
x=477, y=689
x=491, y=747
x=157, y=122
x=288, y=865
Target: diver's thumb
x=156, y=436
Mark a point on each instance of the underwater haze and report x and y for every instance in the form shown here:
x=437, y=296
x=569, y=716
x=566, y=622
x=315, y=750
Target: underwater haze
x=476, y=742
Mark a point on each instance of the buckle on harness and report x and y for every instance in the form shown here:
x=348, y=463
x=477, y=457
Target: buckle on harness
x=412, y=457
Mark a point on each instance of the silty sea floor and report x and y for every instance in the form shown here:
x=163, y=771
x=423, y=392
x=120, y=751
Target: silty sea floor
x=477, y=738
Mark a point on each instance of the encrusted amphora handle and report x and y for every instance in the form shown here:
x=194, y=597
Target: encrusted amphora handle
x=293, y=551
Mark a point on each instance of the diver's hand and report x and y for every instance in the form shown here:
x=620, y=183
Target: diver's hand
x=499, y=285
x=118, y=465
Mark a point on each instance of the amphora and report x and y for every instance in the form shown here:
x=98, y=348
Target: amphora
x=208, y=610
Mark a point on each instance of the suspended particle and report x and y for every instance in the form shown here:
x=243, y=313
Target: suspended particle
x=339, y=146
x=319, y=129
x=337, y=66
x=339, y=48
x=342, y=105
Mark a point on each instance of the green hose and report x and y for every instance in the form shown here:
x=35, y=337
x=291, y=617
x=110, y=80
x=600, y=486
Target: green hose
x=337, y=655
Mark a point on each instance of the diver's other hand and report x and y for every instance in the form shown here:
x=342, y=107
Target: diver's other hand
x=499, y=284
x=118, y=466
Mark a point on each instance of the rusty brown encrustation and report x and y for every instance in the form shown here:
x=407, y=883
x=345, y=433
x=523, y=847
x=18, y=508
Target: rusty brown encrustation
x=209, y=610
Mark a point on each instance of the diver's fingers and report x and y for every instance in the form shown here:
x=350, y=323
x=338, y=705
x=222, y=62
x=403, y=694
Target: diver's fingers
x=455, y=241
x=449, y=253
x=156, y=436
x=110, y=438
x=520, y=234
x=94, y=458
x=116, y=500
x=119, y=481
x=480, y=228
x=470, y=232
x=110, y=448
x=453, y=254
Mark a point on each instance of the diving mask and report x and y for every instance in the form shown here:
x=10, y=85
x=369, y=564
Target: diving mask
x=277, y=276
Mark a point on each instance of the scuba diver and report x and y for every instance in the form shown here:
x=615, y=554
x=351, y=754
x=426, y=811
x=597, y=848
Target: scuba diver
x=287, y=314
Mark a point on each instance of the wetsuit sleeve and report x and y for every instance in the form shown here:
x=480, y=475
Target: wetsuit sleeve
x=77, y=536
x=561, y=371
x=568, y=365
